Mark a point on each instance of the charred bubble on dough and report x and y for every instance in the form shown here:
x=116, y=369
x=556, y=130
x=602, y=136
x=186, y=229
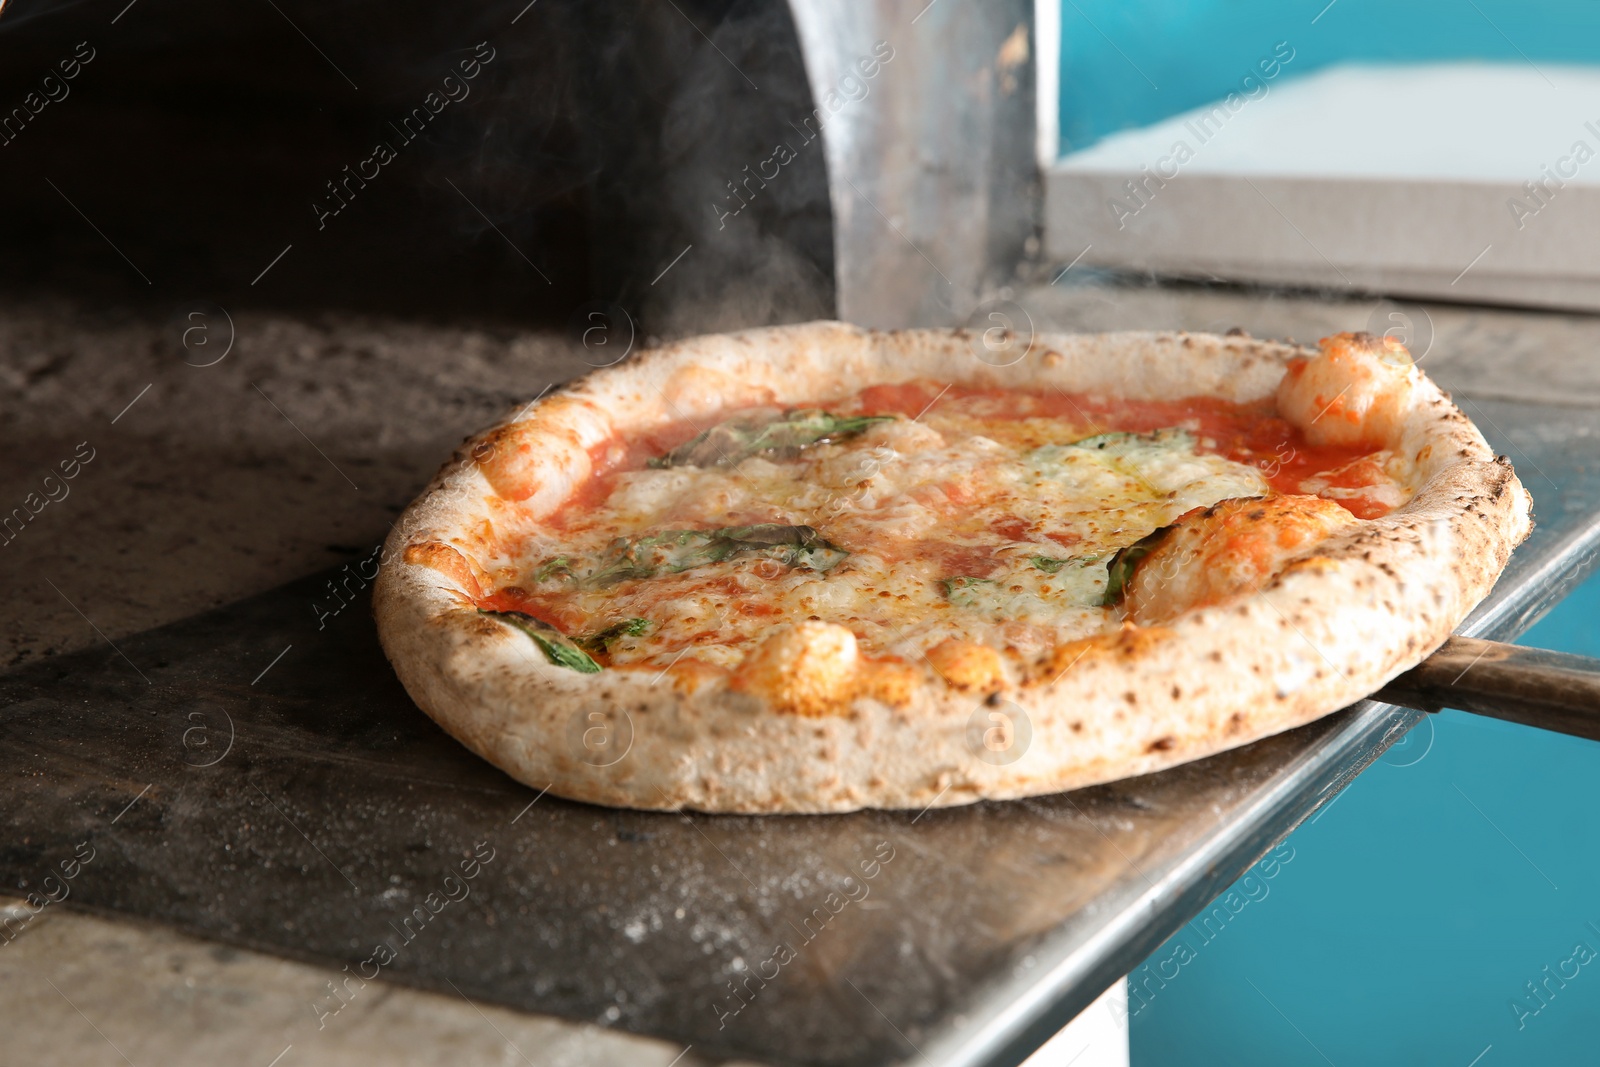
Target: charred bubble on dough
x=541, y=459
x=1212, y=555
x=809, y=669
x=1355, y=392
x=968, y=666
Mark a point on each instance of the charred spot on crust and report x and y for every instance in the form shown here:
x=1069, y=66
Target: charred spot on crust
x=448, y=561
x=1160, y=744
x=966, y=666
x=483, y=625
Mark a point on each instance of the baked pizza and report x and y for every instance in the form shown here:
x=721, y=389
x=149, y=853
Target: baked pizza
x=818, y=568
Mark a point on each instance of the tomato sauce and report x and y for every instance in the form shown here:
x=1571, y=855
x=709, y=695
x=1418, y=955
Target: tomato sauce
x=1252, y=434
x=554, y=609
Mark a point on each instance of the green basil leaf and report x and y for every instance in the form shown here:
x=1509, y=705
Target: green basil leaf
x=560, y=567
x=1053, y=565
x=965, y=591
x=729, y=442
x=1120, y=570
x=961, y=582
x=555, y=645
x=601, y=639
x=675, y=551
x=563, y=655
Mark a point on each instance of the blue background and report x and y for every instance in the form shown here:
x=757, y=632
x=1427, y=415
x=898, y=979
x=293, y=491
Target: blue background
x=1127, y=63
x=1408, y=919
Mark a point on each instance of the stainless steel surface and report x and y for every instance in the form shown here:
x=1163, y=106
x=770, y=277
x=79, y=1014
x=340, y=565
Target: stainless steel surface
x=1532, y=686
x=932, y=172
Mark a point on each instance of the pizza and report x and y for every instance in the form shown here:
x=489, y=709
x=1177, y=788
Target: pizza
x=817, y=568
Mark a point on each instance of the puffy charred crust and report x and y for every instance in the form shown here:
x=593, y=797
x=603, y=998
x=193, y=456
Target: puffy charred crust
x=1127, y=645
x=808, y=669
x=1471, y=518
x=438, y=556
x=1374, y=598
x=1355, y=392
x=968, y=667
x=506, y=457
x=888, y=680
x=702, y=388
x=814, y=670
x=690, y=675
x=544, y=455
x=1229, y=550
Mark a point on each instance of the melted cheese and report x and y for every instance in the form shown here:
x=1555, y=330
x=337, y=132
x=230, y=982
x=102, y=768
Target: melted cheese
x=999, y=538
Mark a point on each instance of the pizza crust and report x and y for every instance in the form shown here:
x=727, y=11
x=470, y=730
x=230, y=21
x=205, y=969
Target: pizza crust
x=1328, y=629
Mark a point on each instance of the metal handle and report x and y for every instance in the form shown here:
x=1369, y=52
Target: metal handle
x=1550, y=690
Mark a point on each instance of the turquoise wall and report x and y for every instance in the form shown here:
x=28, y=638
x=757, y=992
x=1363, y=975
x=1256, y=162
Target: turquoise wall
x=1412, y=914
x=1127, y=63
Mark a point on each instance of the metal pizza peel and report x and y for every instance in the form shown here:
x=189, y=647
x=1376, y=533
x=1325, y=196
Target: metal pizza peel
x=1554, y=691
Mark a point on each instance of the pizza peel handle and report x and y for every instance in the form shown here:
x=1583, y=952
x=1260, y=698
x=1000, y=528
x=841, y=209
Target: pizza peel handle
x=1550, y=690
